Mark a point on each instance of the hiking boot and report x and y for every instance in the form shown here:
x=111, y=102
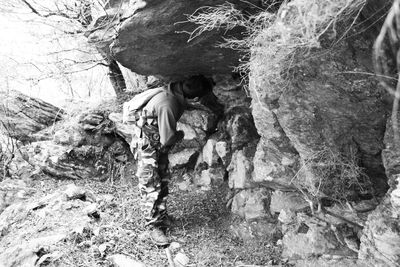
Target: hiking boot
x=158, y=237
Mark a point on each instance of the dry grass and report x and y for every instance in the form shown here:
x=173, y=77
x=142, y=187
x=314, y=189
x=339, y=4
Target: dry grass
x=224, y=16
x=296, y=29
x=328, y=174
x=202, y=227
x=273, y=39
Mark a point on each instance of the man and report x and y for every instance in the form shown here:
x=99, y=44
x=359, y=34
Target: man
x=157, y=120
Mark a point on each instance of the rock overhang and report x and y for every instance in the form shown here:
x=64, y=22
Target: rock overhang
x=156, y=40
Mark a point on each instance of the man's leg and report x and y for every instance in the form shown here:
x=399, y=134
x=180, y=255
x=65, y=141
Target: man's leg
x=151, y=188
x=149, y=180
x=160, y=207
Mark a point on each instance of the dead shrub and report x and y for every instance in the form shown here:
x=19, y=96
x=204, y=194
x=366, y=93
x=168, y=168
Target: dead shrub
x=272, y=39
x=329, y=174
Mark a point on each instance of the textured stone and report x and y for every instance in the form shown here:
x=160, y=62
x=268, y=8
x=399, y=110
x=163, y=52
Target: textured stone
x=395, y=197
x=181, y=260
x=287, y=201
x=191, y=132
x=92, y=119
x=120, y=260
x=13, y=191
x=250, y=231
x=230, y=89
x=209, y=176
x=26, y=254
x=240, y=169
x=128, y=132
x=251, y=204
x=311, y=239
x=36, y=219
x=381, y=234
x=166, y=29
x=381, y=237
x=74, y=192
x=60, y=161
x=202, y=119
x=24, y=115
x=287, y=216
x=240, y=127
x=222, y=148
x=210, y=155
x=317, y=111
x=72, y=136
x=181, y=158
x=268, y=165
x=194, y=137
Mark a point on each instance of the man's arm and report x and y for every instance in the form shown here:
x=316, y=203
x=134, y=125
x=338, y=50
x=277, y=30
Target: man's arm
x=167, y=127
x=211, y=101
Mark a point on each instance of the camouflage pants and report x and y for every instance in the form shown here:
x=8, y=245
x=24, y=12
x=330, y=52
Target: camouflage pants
x=153, y=176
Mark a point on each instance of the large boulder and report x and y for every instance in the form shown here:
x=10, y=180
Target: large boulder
x=22, y=116
x=45, y=222
x=381, y=235
x=13, y=191
x=308, y=237
x=173, y=51
x=82, y=147
x=240, y=127
x=240, y=169
x=250, y=204
x=318, y=112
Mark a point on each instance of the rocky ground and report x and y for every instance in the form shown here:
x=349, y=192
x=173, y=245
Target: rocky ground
x=89, y=223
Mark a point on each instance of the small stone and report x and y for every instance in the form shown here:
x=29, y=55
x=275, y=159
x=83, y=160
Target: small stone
x=184, y=186
x=96, y=231
x=222, y=150
x=90, y=196
x=210, y=155
x=49, y=257
x=69, y=136
x=209, y=176
x=249, y=204
x=287, y=201
x=286, y=216
x=240, y=170
x=199, y=119
x=181, y=158
x=240, y=126
x=287, y=161
x=189, y=131
x=88, y=127
x=120, y=260
x=174, y=246
x=92, y=211
x=92, y=119
x=103, y=247
x=181, y=260
x=74, y=192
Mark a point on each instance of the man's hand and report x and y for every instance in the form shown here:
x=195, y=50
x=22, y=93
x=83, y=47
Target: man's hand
x=176, y=138
x=179, y=135
x=211, y=102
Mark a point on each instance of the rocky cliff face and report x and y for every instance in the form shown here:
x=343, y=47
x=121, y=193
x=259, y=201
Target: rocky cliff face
x=155, y=40
x=311, y=151
x=322, y=127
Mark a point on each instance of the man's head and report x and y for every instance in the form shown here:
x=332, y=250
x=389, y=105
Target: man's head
x=197, y=86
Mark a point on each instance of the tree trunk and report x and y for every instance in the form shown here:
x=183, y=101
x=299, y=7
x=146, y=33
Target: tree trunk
x=21, y=116
x=116, y=77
